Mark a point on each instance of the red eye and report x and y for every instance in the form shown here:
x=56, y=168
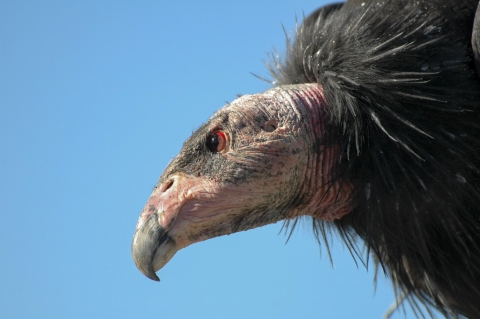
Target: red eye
x=217, y=142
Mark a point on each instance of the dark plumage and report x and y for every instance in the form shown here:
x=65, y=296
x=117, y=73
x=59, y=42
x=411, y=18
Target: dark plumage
x=391, y=149
x=402, y=91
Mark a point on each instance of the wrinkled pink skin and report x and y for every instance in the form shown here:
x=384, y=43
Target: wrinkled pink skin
x=193, y=209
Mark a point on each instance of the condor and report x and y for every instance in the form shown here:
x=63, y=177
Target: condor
x=372, y=129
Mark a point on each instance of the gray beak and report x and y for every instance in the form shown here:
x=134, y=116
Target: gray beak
x=145, y=243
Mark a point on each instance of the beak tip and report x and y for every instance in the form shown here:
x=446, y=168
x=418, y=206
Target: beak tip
x=153, y=276
x=145, y=267
x=148, y=272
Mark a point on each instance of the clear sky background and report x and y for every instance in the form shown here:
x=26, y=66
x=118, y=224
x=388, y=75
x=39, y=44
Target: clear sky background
x=96, y=97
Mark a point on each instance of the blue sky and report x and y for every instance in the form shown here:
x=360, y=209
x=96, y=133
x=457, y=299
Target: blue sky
x=96, y=97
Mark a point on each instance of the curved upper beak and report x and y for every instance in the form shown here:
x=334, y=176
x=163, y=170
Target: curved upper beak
x=145, y=243
x=152, y=247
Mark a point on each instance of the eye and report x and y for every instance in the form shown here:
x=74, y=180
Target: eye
x=217, y=142
x=270, y=126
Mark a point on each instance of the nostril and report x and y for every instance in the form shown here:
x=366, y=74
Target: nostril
x=167, y=185
x=270, y=126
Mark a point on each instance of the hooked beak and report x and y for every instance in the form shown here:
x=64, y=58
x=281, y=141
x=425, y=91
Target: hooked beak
x=152, y=247
x=158, y=235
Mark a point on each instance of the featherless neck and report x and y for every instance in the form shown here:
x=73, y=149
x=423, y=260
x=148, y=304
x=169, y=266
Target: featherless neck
x=324, y=196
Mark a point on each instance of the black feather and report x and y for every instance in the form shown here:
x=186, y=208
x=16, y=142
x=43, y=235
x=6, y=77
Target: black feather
x=404, y=107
